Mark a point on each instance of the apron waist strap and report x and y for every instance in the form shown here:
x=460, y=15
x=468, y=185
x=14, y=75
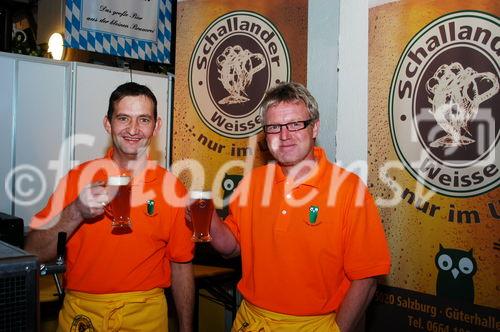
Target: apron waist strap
x=256, y=319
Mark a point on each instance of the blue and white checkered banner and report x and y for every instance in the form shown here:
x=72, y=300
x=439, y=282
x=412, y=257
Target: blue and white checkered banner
x=139, y=29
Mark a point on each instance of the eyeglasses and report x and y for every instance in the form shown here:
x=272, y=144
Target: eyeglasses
x=290, y=126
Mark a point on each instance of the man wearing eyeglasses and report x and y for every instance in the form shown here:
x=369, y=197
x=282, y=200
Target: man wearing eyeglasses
x=309, y=233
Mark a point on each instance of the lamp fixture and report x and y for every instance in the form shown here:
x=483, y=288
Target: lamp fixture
x=56, y=46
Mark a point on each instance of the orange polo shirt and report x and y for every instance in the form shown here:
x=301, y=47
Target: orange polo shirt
x=299, y=257
x=101, y=262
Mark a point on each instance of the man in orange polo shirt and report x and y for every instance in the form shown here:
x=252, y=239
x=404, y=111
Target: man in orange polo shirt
x=309, y=233
x=115, y=281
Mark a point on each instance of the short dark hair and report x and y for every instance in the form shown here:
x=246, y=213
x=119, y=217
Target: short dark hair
x=289, y=92
x=131, y=89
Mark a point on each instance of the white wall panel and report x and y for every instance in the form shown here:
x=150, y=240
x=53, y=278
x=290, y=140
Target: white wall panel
x=7, y=70
x=40, y=130
x=322, y=61
x=352, y=123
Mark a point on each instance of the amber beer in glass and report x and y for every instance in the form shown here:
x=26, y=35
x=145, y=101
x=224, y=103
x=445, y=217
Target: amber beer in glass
x=201, y=207
x=119, y=207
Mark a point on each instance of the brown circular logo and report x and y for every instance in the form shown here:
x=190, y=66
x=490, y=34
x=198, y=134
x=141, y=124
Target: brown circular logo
x=237, y=58
x=444, y=101
x=82, y=323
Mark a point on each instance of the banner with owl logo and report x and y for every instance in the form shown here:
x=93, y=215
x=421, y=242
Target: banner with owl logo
x=434, y=130
x=228, y=53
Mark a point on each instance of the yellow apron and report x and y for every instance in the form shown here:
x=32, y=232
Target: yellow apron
x=131, y=311
x=253, y=319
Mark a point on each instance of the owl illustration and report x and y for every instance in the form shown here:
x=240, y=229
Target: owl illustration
x=455, y=271
x=229, y=184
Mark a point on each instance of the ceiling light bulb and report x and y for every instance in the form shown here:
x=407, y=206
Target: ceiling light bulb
x=56, y=46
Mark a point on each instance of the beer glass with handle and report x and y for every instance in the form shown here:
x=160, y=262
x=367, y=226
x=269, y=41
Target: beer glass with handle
x=119, y=189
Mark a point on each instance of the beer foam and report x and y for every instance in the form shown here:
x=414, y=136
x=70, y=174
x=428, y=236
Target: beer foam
x=118, y=180
x=200, y=194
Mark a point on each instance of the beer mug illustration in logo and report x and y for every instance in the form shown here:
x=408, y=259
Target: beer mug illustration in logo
x=455, y=98
x=236, y=67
